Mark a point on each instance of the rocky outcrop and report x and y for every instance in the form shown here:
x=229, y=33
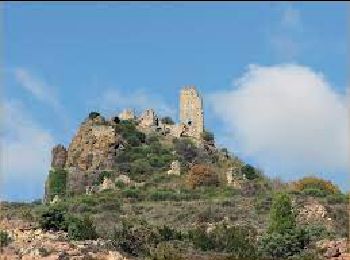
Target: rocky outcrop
x=95, y=145
x=58, y=157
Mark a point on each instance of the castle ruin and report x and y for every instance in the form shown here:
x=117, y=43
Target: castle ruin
x=191, y=112
x=96, y=144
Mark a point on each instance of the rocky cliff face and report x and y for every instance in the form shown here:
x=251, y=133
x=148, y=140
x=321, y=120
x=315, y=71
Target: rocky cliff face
x=59, y=157
x=95, y=145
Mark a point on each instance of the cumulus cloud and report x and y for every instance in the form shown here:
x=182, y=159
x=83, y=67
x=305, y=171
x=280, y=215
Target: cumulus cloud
x=288, y=118
x=25, y=153
x=114, y=100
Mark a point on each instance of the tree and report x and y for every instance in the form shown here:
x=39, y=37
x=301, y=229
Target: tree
x=283, y=239
x=282, y=218
x=167, y=120
x=92, y=115
x=81, y=229
x=310, y=184
x=4, y=239
x=202, y=175
x=53, y=219
x=249, y=172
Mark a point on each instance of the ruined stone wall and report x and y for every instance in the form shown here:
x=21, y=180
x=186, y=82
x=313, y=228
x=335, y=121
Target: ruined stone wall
x=148, y=118
x=127, y=114
x=94, y=147
x=191, y=112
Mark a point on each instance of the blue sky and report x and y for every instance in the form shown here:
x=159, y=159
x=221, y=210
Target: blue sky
x=64, y=60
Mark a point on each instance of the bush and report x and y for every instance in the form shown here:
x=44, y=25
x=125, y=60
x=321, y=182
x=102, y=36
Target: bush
x=141, y=167
x=314, y=192
x=4, y=239
x=57, y=183
x=167, y=120
x=53, y=219
x=315, y=183
x=103, y=175
x=186, y=149
x=283, y=245
x=167, y=234
x=337, y=198
x=133, y=239
x=249, y=172
x=81, y=229
x=131, y=193
x=202, y=175
x=93, y=115
x=162, y=195
x=165, y=251
x=282, y=218
x=239, y=241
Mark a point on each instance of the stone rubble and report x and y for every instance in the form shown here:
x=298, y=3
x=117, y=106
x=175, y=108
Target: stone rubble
x=30, y=243
x=335, y=249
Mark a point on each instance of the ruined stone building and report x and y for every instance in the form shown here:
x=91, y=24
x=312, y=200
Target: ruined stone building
x=149, y=118
x=95, y=145
x=191, y=112
x=127, y=114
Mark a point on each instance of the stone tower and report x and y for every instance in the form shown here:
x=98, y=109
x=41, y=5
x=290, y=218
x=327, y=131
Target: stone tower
x=191, y=112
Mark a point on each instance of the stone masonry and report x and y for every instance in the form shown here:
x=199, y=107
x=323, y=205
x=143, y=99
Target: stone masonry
x=127, y=114
x=191, y=112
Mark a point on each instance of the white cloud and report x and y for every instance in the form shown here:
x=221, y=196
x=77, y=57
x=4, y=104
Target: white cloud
x=25, y=152
x=38, y=88
x=288, y=118
x=43, y=92
x=114, y=100
x=285, y=37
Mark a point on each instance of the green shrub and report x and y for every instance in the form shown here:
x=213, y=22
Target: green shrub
x=57, y=183
x=136, y=240
x=282, y=218
x=283, y=245
x=165, y=251
x=337, y=198
x=4, y=238
x=53, y=219
x=141, y=167
x=93, y=115
x=162, y=195
x=239, y=241
x=249, y=172
x=81, y=229
x=131, y=193
x=314, y=192
x=103, y=175
x=167, y=234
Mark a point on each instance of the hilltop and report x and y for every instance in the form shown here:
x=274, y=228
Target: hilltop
x=148, y=187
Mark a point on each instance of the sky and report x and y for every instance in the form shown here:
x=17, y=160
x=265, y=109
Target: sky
x=273, y=76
